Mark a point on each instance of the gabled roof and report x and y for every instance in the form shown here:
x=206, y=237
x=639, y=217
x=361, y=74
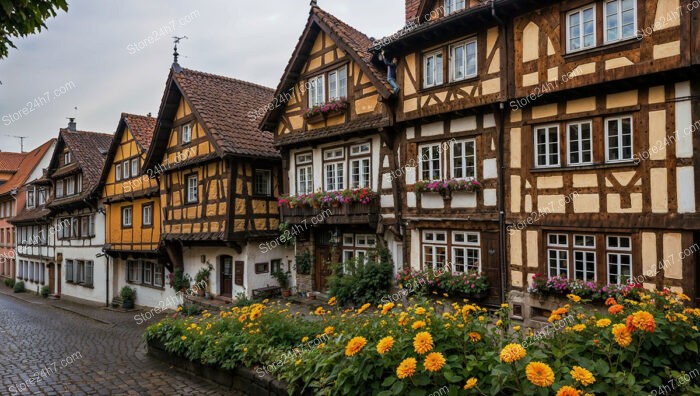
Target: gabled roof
x=10, y=162
x=224, y=107
x=355, y=43
x=88, y=150
x=29, y=162
x=141, y=127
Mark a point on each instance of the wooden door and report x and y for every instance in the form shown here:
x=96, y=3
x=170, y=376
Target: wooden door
x=52, y=281
x=226, y=276
x=322, y=267
x=490, y=265
x=58, y=284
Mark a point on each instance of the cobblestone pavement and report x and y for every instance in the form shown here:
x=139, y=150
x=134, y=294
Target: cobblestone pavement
x=78, y=350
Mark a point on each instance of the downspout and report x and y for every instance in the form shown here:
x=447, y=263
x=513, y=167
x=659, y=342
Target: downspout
x=502, y=168
x=107, y=282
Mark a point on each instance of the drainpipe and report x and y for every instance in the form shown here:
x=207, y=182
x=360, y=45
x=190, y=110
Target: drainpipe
x=502, y=168
x=107, y=282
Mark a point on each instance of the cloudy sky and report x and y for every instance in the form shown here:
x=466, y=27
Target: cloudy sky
x=106, y=57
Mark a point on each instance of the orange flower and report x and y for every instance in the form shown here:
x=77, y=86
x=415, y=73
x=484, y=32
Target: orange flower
x=582, y=375
x=385, y=344
x=568, y=391
x=610, y=301
x=387, y=307
x=434, y=361
x=418, y=324
x=642, y=320
x=616, y=309
x=423, y=342
x=622, y=335
x=540, y=374
x=355, y=346
x=407, y=368
x=512, y=353
x=474, y=336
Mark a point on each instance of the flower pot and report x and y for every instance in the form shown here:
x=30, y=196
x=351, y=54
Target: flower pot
x=315, y=119
x=200, y=292
x=128, y=304
x=286, y=293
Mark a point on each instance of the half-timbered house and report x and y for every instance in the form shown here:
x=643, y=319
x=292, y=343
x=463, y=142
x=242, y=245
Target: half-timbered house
x=78, y=219
x=132, y=202
x=333, y=125
x=9, y=165
x=219, y=177
x=15, y=197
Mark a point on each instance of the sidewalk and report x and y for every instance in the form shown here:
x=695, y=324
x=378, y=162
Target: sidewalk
x=94, y=312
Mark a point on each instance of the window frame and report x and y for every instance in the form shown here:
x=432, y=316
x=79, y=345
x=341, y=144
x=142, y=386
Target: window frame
x=186, y=133
x=434, y=244
x=582, y=35
x=464, y=157
x=118, y=171
x=135, y=163
x=547, y=128
x=619, y=26
x=436, y=72
x=307, y=166
x=585, y=249
x=453, y=69
x=148, y=206
x=268, y=183
x=451, y=6
x=127, y=214
x=335, y=76
x=31, y=197
x=431, y=161
x=334, y=158
x=580, y=141
x=313, y=83
x=188, y=189
x=620, y=147
x=558, y=248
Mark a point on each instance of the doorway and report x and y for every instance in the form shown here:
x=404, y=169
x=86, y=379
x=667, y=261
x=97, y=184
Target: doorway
x=52, y=280
x=322, y=268
x=226, y=276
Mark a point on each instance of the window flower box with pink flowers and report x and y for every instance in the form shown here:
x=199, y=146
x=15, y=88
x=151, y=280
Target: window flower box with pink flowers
x=320, y=112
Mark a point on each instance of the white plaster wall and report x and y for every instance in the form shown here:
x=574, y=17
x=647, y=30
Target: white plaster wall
x=145, y=296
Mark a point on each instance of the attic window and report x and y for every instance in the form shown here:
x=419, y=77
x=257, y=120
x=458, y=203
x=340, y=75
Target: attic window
x=67, y=158
x=453, y=6
x=186, y=133
x=317, y=91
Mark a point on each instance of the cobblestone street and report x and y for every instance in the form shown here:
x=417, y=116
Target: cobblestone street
x=76, y=350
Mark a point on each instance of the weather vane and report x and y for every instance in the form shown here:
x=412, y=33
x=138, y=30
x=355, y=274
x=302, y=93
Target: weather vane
x=176, y=40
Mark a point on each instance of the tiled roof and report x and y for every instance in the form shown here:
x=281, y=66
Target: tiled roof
x=88, y=149
x=35, y=215
x=412, y=7
x=226, y=107
x=361, y=124
x=142, y=127
x=29, y=162
x=10, y=162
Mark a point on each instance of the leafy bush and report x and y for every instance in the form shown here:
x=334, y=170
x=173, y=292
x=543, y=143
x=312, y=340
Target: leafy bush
x=634, y=348
x=189, y=309
x=561, y=286
x=9, y=282
x=127, y=293
x=469, y=285
x=361, y=282
x=45, y=291
x=179, y=280
x=19, y=287
x=303, y=263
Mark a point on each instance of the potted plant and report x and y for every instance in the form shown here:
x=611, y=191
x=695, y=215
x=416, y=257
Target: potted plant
x=283, y=279
x=180, y=281
x=304, y=263
x=45, y=291
x=128, y=295
x=202, y=278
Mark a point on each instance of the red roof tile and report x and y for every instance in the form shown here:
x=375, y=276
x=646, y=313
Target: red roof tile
x=29, y=162
x=142, y=127
x=10, y=162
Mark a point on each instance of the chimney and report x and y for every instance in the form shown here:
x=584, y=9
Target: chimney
x=71, y=124
x=412, y=9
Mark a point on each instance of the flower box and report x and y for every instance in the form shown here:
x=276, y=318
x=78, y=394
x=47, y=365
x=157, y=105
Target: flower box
x=448, y=186
x=320, y=112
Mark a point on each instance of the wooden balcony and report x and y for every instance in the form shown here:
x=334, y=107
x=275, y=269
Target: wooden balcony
x=354, y=213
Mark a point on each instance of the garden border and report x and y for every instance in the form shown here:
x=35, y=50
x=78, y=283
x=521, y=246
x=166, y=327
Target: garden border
x=241, y=379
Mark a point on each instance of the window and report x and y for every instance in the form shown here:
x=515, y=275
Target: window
x=338, y=83
x=158, y=275
x=547, y=146
x=276, y=266
x=118, y=171
x=558, y=255
x=133, y=271
x=435, y=249
x=317, y=91
x=584, y=258
x=70, y=185
x=580, y=143
x=453, y=6
x=618, y=139
x=464, y=159
x=334, y=171
x=69, y=271
x=84, y=226
x=305, y=173
x=67, y=158
x=360, y=149
x=31, y=193
x=127, y=216
x=89, y=270
x=79, y=183
x=42, y=195
x=263, y=182
x=125, y=170
x=192, y=189
x=620, y=20
x=148, y=273
x=186, y=133
x=134, y=167
x=581, y=29
x=463, y=61
x=466, y=252
x=619, y=256
x=359, y=167
x=75, y=227
x=430, y=161
x=147, y=215
x=355, y=247
x=432, y=70
x=261, y=268
x=91, y=225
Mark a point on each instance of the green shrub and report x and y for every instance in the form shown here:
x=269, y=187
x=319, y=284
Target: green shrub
x=19, y=287
x=45, y=291
x=362, y=282
x=9, y=282
x=127, y=293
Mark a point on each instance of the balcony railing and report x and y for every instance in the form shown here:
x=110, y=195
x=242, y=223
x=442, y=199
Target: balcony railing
x=353, y=213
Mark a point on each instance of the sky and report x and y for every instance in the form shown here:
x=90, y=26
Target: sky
x=106, y=57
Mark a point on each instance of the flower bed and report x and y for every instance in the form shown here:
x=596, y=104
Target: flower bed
x=636, y=347
x=448, y=186
x=363, y=196
x=470, y=284
x=334, y=106
x=560, y=286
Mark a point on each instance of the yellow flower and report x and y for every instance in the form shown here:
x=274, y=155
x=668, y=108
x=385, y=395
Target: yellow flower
x=329, y=330
x=434, y=361
x=603, y=322
x=332, y=301
x=471, y=382
x=403, y=319
x=298, y=362
x=420, y=311
x=474, y=336
x=321, y=345
x=355, y=346
x=504, y=305
x=573, y=298
x=512, y=353
x=183, y=338
x=363, y=308
x=540, y=374
x=516, y=328
x=423, y=342
x=644, y=320
x=304, y=339
x=499, y=323
x=418, y=324
x=320, y=311
x=387, y=307
x=385, y=344
x=407, y=368
x=583, y=376
x=568, y=391
x=622, y=336
x=179, y=309
x=481, y=318
x=579, y=327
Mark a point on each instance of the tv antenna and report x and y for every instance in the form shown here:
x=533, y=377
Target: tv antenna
x=21, y=141
x=176, y=41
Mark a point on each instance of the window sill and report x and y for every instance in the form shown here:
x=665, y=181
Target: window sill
x=606, y=165
x=617, y=46
x=161, y=288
